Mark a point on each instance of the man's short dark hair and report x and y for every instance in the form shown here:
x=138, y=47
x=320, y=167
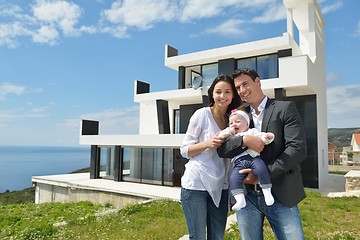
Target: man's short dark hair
x=245, y=71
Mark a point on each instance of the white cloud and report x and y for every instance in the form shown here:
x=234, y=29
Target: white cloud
x=228, y=28
x=46, y=34
x=21, y=113
x=326, y=8
x=9, y=88
x=15, y=12
x=357, y=30
x=111, y=121
x=63, y=14
x=88, y=29
x=9, y=33
x=6, y=115
x=141, y=15
x=274, y=12
x=198, y=9
x=343, y=103
x=333, y=78
x=116, y=31
x=45, y=22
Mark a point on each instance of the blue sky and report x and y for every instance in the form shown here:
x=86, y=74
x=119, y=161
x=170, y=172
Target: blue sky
x=63, y=61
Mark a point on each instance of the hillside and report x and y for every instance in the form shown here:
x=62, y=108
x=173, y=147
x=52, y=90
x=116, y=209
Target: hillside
x=341, y=137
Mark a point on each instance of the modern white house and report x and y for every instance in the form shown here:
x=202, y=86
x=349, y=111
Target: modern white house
x=291, y=67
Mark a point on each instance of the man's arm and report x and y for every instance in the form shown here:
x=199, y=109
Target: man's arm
x=238, y=144
x=231, y=147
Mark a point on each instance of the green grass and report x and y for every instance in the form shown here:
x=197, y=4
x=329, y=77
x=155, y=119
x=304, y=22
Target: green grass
x=24, y=196
x=323, y=218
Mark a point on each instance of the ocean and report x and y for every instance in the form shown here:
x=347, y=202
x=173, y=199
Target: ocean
x=19, y=163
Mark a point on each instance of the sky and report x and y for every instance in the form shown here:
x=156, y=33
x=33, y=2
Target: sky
x=63, y=61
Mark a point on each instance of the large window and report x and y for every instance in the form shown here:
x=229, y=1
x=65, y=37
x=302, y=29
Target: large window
x=247, y=62
x=266, y=66
x=148, y=165
x=151, y=165
x=131, y=164
x=209, y=72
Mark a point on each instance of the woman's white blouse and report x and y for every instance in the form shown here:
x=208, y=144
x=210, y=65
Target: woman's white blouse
x=205, y=171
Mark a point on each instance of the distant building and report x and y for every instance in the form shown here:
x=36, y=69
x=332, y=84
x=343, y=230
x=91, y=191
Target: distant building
x=333, y=155
x=351, y=154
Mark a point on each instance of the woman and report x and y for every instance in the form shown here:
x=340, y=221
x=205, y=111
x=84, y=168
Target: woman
x=204, y=192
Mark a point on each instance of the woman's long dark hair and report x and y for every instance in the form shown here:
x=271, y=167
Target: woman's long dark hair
x=236, y=101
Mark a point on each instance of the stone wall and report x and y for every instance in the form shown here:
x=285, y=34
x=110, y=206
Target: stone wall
x=352, y=180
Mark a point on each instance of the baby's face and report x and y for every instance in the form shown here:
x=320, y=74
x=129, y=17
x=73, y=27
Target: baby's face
x=238, y=123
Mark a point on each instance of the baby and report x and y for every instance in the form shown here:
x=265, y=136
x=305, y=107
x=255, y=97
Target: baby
x=239, y=122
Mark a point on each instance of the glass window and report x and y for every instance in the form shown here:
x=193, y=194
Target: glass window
x=267, y=66
x=107, y=159
x=209, y=72
x=151, y=165
x=148, y=165
x=247, y=62
x=131, y=164
x=176, y=121
x=168, y=167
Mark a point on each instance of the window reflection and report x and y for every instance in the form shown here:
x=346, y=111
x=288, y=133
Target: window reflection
x=247, y=62
x=177, y=121
x=131, y=164
x=148, y=165
x=266, y=66
x=209, y=72
x=107, y=159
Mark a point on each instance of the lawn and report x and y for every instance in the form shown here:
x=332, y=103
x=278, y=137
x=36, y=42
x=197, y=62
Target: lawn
x=323, y=218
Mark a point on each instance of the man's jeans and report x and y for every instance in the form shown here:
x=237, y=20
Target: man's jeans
x=200, y=212
x=285, y=222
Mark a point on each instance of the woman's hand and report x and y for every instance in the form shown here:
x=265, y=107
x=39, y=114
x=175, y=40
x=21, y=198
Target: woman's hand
x=215, y=141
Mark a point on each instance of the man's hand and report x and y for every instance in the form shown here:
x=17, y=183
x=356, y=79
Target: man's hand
x=251, y=177
x=254, y=143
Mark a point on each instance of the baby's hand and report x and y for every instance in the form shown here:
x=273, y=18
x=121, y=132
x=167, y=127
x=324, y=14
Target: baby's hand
x=232, y=131
x=269, y=136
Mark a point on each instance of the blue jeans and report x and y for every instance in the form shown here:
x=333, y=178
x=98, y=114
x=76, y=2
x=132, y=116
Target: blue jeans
x=258, y=167
x=285, y=222
x=201, y=213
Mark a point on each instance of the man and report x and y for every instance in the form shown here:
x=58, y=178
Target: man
x=282, y=158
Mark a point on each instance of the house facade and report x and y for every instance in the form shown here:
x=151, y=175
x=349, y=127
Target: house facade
x=351, y=154
x=291, y=67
